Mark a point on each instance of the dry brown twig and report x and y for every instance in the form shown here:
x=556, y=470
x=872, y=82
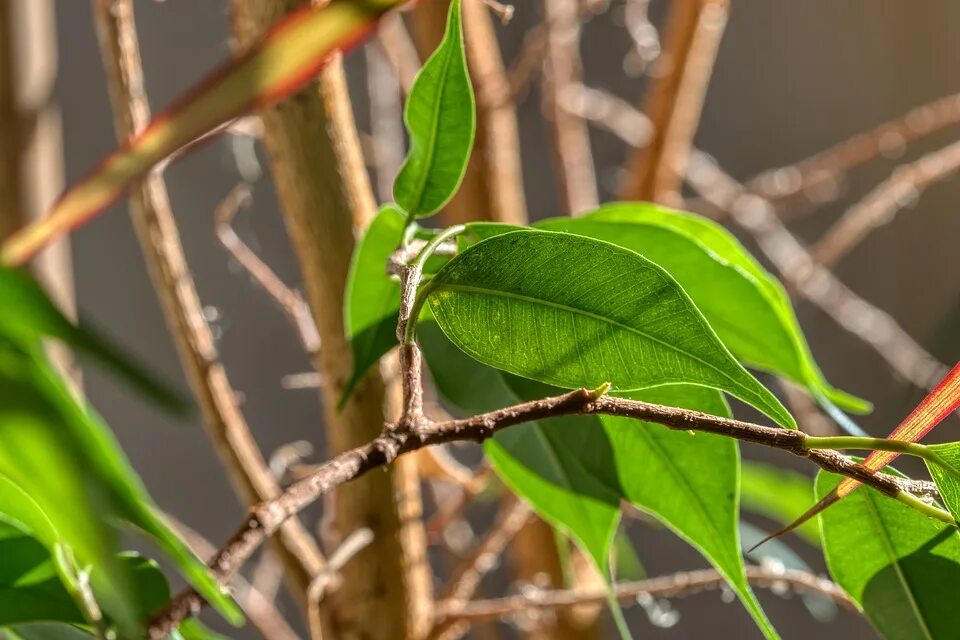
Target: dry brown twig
x=158, y=235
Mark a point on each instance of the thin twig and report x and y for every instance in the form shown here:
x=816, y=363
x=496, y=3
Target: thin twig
x=675, y=100
x=386, y=118
x=348, y=549
x=882, y=204
x=163, y=252
x=798, y=269
x=291, y=302
x=673, y=586
x=399, y=49
x=265, y=518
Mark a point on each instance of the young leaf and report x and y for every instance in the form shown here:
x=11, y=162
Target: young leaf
x=576, y=312
x=30, y=316
x=897, y=564
x=372, y=297
x=93, y=489
x=779, y=494
x=441, y=119
x=576, y=470
x=947, y=474
x=284, y=60
x=744, y=304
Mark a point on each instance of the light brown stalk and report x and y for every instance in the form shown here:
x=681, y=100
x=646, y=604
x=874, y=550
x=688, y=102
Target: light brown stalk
x=881, y=205
x=563, y=69
x=160, y=240
x=31, y=146
x=325, y=197
x=675, y=99
x=392, y=442
x=492, y=188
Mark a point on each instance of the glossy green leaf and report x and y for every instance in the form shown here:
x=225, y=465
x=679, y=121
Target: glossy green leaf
x=900, y=566
x=30, y=316
x=779, y=494
x=373, y=296
x=576, y=470
x=947, y=474
x=441, y=120
x=574, y=312
x=42, y=428
x=747, y=307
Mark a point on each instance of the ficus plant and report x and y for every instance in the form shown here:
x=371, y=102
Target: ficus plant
x=593, y=357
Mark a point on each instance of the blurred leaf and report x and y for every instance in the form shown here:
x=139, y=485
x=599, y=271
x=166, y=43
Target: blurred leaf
x=575, y=470
x=745, y=305
x=30, y=316
x=441, y=120
x=373, y=297
x=779, y=494
x=902, y=567
x=283, y=61
x=47, y=631
x=576, y=312
x=93, y=488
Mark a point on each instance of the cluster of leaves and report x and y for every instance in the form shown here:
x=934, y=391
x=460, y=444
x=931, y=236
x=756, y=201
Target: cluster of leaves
x=664, y=306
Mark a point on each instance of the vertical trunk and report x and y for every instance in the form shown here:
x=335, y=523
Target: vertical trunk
x=492, y=188
x=675, y=99
x=325, y=195
x=31, y=152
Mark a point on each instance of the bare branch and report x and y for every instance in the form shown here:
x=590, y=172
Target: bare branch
x=880, y=206
x=674, y=101
x=265, y=518
x=163, y=252
x=672, y=586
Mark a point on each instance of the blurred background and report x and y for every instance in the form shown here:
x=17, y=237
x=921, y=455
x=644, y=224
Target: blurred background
x=791, y=78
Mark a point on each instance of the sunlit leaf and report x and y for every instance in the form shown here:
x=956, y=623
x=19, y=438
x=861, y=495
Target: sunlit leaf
x=284, y=60
x=577, y=312
x=947, y=474
x=902, y=567
x=441, y=121
x=745, y=305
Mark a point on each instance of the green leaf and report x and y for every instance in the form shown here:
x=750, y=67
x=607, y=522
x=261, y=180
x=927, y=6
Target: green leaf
x=900, y=566
x=779, y=494
x=93, y=488
x=747, y=307
x=576, y=470
x=577, y=312
x=947, y=474
x=47, y=631
x=373, y=296
x=29, y=316
x=441, y=120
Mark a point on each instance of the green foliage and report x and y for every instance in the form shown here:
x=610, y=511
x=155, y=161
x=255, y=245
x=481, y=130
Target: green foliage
x=947, y=474
x=744, y=304
x=780, y=494
x=441, y=120
x=576, y=470
x=576, y=312
x=372, y=296
x=900, y=566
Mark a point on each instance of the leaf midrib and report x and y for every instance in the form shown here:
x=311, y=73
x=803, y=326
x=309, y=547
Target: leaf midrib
x=516, y=296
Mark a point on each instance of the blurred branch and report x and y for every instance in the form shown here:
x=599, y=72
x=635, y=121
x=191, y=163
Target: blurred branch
x=675, y=99
x=673, y=586
x=881, y=205
x=386, y=117
x=563, y=67
x=291, y=302
x=160, y=240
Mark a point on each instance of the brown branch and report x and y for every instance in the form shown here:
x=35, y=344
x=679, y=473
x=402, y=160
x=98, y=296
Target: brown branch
x=265, y=518
x=160, y=240
x=290, y=301
x=672, y=586
x=675, y=100
x=829, y=166
x=799, y=270
x=562, y=68
x=386, y=116
x=881, y=205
